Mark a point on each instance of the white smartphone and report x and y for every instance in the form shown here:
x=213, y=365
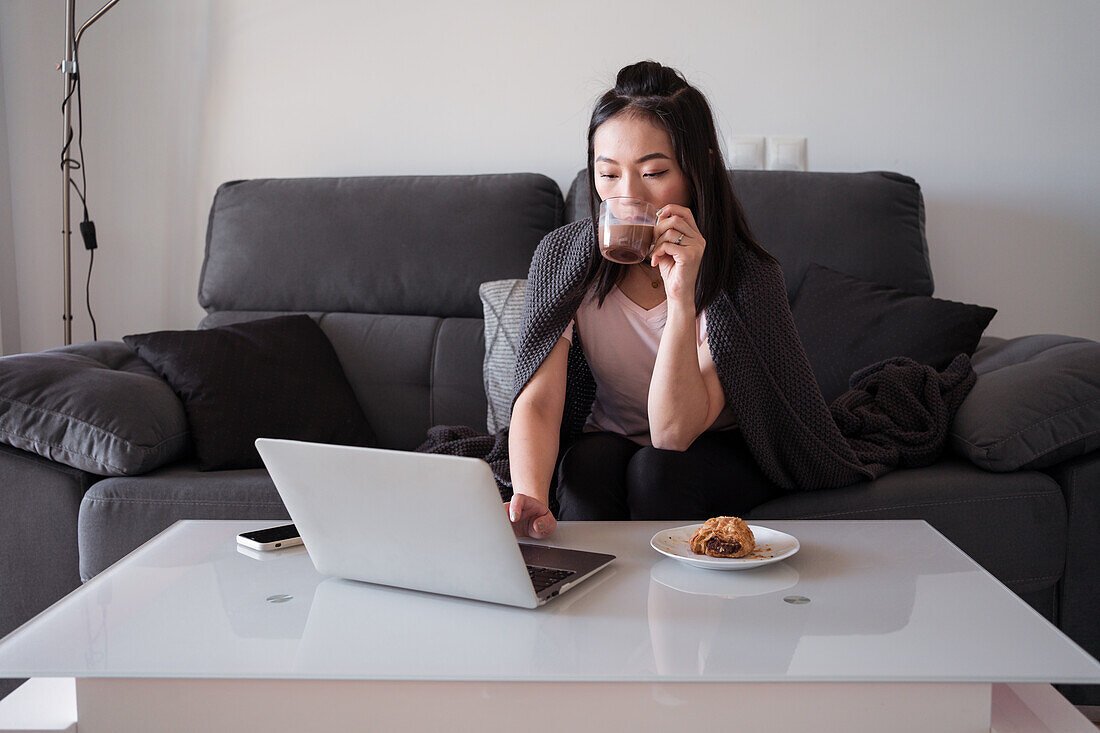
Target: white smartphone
x=272, y=538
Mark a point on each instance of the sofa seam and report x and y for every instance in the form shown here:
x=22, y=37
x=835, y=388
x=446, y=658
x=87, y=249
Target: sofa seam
x=1048, y=418
x=1057, y=445
x=33, y=458
x=1031, y=356
x=146, y=452
x=1030, y=580
x=131, y=444
x=927, y=504
x=1070, y=494
x=106, y=431
x=431, y=371
x=107, y=500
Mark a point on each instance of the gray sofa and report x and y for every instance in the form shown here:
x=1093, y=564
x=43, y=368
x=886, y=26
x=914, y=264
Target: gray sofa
x=395, y=289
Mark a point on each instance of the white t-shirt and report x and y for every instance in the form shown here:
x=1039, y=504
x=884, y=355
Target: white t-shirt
x=620, y=343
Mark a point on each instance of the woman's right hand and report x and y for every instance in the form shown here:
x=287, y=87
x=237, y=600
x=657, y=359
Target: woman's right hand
x=530, y=517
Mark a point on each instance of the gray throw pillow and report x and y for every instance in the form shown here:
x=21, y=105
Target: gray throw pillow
x=93, y=406
x=502, y=301
x=1036, y=403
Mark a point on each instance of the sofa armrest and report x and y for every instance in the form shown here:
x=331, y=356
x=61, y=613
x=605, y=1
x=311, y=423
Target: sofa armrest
x=96, y=407
x=1079, y=590
x=1036, y=403
x=39, y=562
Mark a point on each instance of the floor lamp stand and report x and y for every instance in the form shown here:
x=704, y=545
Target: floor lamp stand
x=68, y=70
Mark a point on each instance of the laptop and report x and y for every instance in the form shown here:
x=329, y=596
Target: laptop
x=420, y=521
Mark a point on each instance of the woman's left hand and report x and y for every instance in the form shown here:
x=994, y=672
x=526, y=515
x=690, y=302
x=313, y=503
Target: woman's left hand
x=677, y=251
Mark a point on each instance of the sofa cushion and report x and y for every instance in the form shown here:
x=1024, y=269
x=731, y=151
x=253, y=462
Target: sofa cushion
x=119, y=514
x=457, y=396
x=93, y=406
x=997, y=519
x=868, y=224
x=318, y=244
x=502, y=301
x=272, y=378
x=1036, y=403
x=408, y=372
x=847, y=323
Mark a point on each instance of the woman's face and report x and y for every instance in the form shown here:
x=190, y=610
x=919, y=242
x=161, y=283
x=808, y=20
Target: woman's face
x=634, y=157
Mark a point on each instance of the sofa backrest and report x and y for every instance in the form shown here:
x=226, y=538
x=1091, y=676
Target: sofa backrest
x=868, y=225
x=405, y=245
x=390, y=267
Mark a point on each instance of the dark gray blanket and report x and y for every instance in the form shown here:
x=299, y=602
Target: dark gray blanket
x=898, y=411
x=898, y=415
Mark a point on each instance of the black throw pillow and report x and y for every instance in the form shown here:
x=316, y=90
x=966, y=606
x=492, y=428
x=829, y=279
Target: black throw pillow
x=846, y=323
x=272, y=378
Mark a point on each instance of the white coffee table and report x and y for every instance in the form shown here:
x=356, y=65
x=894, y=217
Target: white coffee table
x=901, y=632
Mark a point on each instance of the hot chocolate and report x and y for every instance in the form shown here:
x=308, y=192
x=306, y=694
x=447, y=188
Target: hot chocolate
x=627, y=244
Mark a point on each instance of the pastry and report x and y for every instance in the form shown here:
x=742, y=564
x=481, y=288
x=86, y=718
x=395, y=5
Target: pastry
x=723, y=537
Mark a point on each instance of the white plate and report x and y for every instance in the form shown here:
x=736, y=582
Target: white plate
x=771, y=546
x=683, y=578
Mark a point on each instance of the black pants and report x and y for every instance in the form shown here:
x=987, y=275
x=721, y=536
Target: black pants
x=605, y=476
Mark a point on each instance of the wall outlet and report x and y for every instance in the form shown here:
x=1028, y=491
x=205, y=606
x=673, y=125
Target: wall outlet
x=786, y=154
x=746, y=152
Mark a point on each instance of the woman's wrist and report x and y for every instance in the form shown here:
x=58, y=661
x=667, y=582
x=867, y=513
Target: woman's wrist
x=538, y=496
x=680, y=310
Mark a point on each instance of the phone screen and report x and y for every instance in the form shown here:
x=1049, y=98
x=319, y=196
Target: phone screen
x=272, y=534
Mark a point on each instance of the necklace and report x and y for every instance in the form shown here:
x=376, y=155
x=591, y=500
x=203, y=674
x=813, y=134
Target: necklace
x=649, y=274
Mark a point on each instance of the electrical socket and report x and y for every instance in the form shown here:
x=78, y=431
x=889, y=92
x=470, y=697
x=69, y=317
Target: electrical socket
x=786, y=154
x=746, y=152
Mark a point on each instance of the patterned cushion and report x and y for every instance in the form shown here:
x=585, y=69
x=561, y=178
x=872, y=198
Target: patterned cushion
x=502, y=301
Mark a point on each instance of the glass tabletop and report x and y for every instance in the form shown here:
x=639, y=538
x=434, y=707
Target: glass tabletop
x=859, y=601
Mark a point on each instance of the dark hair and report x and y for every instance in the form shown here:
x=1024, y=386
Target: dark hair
x=662, y=95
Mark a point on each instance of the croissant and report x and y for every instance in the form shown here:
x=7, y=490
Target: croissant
x=723, y=537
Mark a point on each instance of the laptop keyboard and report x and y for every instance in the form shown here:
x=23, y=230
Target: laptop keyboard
x=543, y=578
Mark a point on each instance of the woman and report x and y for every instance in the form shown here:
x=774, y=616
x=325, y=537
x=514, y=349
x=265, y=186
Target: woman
x=658, y=440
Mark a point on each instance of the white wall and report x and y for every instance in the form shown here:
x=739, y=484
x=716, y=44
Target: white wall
x=9, y=286
x=990, y=105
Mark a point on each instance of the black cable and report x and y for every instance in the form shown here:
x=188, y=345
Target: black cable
x=88, y=293
x=79, y=113
x=76, y=187
x=72, y=88
x=87, y=227
x=80, y=130
x=91, y=260
x=73, y=163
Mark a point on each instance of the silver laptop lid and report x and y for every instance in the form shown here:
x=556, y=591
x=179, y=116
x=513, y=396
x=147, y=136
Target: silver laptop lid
x=411, y=520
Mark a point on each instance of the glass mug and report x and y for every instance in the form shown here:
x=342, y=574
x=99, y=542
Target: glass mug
x=626, y=229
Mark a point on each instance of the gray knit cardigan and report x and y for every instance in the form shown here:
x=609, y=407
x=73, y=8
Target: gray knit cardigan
x=898, y=413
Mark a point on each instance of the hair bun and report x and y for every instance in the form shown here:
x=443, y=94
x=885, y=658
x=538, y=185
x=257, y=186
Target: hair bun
x=648, y=79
